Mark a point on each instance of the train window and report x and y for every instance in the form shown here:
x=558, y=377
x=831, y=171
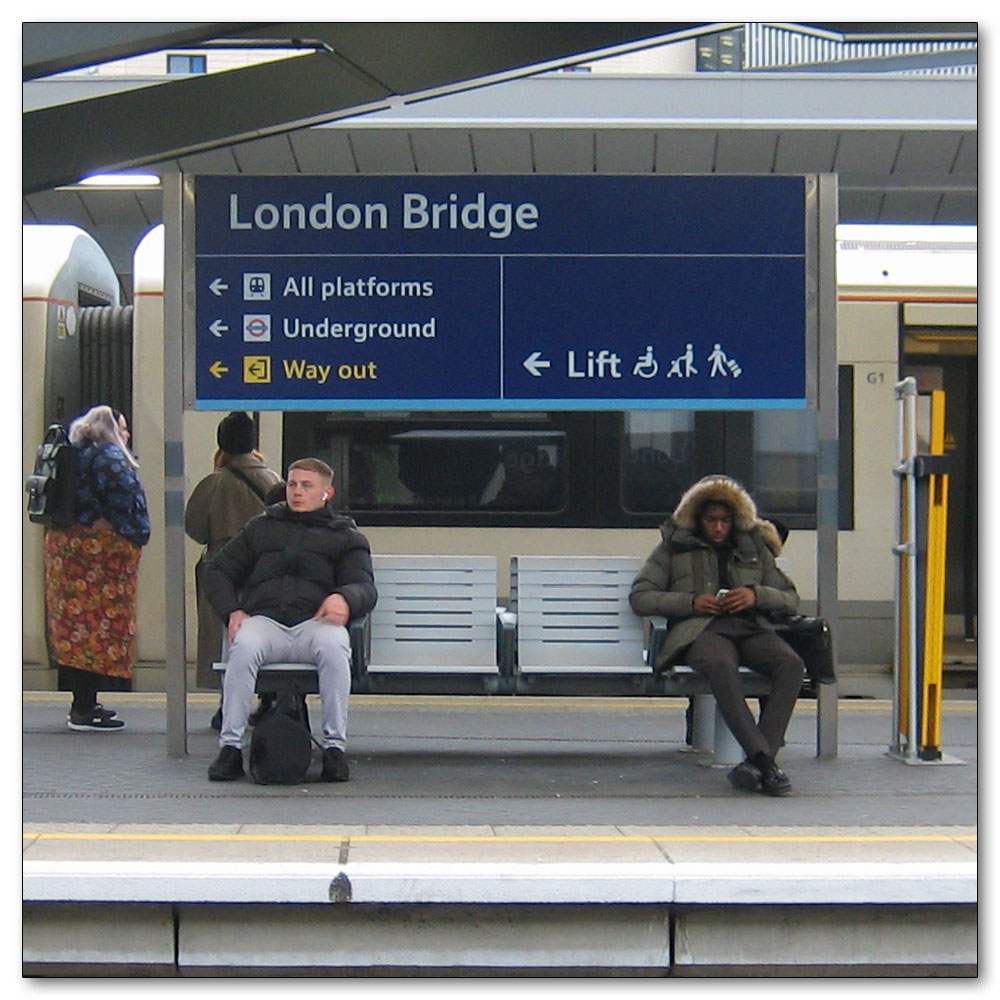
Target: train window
x=590, y=469
x=784, y=461
x=772, y=452
x=445, y=469
x=658, y=459
x=457, y=469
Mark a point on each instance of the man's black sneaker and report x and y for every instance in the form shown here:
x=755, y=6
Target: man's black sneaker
x=95, y=721
x=216, y=722
x=228, y=766
x=99, y=709
x=745, y=776
x=774, y=781
x=334, y=765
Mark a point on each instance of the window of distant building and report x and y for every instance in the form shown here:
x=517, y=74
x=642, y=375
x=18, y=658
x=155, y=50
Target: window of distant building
x=180, y=63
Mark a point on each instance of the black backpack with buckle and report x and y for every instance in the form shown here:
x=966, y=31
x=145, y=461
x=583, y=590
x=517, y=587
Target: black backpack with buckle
x=281, y=743
x=51, y=487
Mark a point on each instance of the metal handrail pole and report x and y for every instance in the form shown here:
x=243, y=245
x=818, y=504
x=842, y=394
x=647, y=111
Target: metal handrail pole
x=898, y=548
x=911, y=487
x=910, y=442
x=906, y=391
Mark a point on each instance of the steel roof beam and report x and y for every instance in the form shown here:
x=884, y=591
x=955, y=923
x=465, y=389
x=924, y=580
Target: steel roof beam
x=363, y=65
x=49, y=47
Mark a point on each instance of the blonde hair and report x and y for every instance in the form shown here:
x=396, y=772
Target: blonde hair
x=100, y=424
x=313, y=465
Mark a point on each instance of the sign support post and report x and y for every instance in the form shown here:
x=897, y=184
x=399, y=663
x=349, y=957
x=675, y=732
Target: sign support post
x=827, y=459
x=173, y=469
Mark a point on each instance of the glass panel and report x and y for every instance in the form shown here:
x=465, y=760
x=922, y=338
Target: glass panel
x=177, y=63
x=439, y=469
x=658, y=459
x=784, y=457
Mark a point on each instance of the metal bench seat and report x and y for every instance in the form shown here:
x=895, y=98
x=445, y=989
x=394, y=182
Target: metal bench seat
x=435, y=615
x=573, y=616
x=569, y=622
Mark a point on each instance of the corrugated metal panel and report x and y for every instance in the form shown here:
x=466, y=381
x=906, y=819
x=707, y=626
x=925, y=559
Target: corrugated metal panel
x=769, y=47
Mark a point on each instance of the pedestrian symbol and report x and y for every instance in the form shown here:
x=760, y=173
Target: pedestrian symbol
x=683, y=367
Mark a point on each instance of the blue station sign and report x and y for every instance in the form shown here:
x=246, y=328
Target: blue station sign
x=511, y=292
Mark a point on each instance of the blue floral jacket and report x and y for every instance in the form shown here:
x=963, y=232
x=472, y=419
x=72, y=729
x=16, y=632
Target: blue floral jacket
x=108, y=486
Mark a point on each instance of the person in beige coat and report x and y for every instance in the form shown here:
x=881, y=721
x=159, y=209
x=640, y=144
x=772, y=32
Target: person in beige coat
x=216, y=510
x=715, y=578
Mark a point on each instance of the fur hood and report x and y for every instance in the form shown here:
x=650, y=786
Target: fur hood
x=728, y=491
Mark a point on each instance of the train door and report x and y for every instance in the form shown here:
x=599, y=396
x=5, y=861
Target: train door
x=67, y=279
x=940, y=350
x=105, y=372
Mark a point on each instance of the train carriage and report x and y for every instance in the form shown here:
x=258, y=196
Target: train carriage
x=548, y=483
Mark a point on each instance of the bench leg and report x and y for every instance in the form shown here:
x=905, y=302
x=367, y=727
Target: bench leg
x=826, y=720
x=727, y=750
x=703, y=723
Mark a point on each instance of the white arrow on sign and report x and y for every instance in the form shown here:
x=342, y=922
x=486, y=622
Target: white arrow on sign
x=534, y=363
x=218, y=328
x=218, y=286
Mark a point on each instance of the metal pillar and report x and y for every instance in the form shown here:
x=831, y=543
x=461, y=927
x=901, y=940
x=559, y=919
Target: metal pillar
x=828, y=455
x=173, y=471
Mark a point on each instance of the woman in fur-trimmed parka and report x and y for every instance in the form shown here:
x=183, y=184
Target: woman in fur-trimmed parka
x=714, y=577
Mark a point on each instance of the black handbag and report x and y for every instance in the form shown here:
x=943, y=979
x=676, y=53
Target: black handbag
x=810, y=638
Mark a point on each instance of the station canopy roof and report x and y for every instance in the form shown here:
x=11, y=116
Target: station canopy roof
x=488, y=97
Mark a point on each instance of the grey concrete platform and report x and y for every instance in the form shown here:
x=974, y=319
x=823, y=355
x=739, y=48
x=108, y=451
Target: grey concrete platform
x=464, y=811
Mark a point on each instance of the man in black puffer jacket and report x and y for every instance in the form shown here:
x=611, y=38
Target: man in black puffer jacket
x=286, y=587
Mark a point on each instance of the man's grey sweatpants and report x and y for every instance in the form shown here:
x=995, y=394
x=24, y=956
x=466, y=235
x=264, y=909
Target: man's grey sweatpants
x=261, y=640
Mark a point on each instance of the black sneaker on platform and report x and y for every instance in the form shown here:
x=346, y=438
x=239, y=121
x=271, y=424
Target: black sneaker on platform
x=95, y=721
x=228, y=766
x=745, y=776
x=334, y=765
x=774, y=781
x=216, y=722
x=99, y=709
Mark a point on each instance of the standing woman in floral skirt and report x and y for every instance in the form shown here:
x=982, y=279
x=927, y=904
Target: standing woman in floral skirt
x=91, y=570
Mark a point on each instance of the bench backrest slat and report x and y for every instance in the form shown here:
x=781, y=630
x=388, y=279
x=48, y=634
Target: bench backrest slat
x=434, y=612
x=573, y=614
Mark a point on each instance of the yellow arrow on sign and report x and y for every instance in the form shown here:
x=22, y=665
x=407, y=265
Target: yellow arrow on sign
x=218, y=369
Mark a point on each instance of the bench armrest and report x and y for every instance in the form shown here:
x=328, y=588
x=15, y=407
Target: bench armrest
x=360, y=632
x=654, y=629
x=506, y=641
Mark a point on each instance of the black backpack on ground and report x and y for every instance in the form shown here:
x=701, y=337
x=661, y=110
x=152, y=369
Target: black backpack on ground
x=51, y=487
x=281, y=744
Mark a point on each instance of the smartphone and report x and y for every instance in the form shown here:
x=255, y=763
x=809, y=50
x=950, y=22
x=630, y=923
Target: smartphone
x=721, y=594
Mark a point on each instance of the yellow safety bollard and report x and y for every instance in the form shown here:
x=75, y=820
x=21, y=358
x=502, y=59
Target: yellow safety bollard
x=937, y=540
